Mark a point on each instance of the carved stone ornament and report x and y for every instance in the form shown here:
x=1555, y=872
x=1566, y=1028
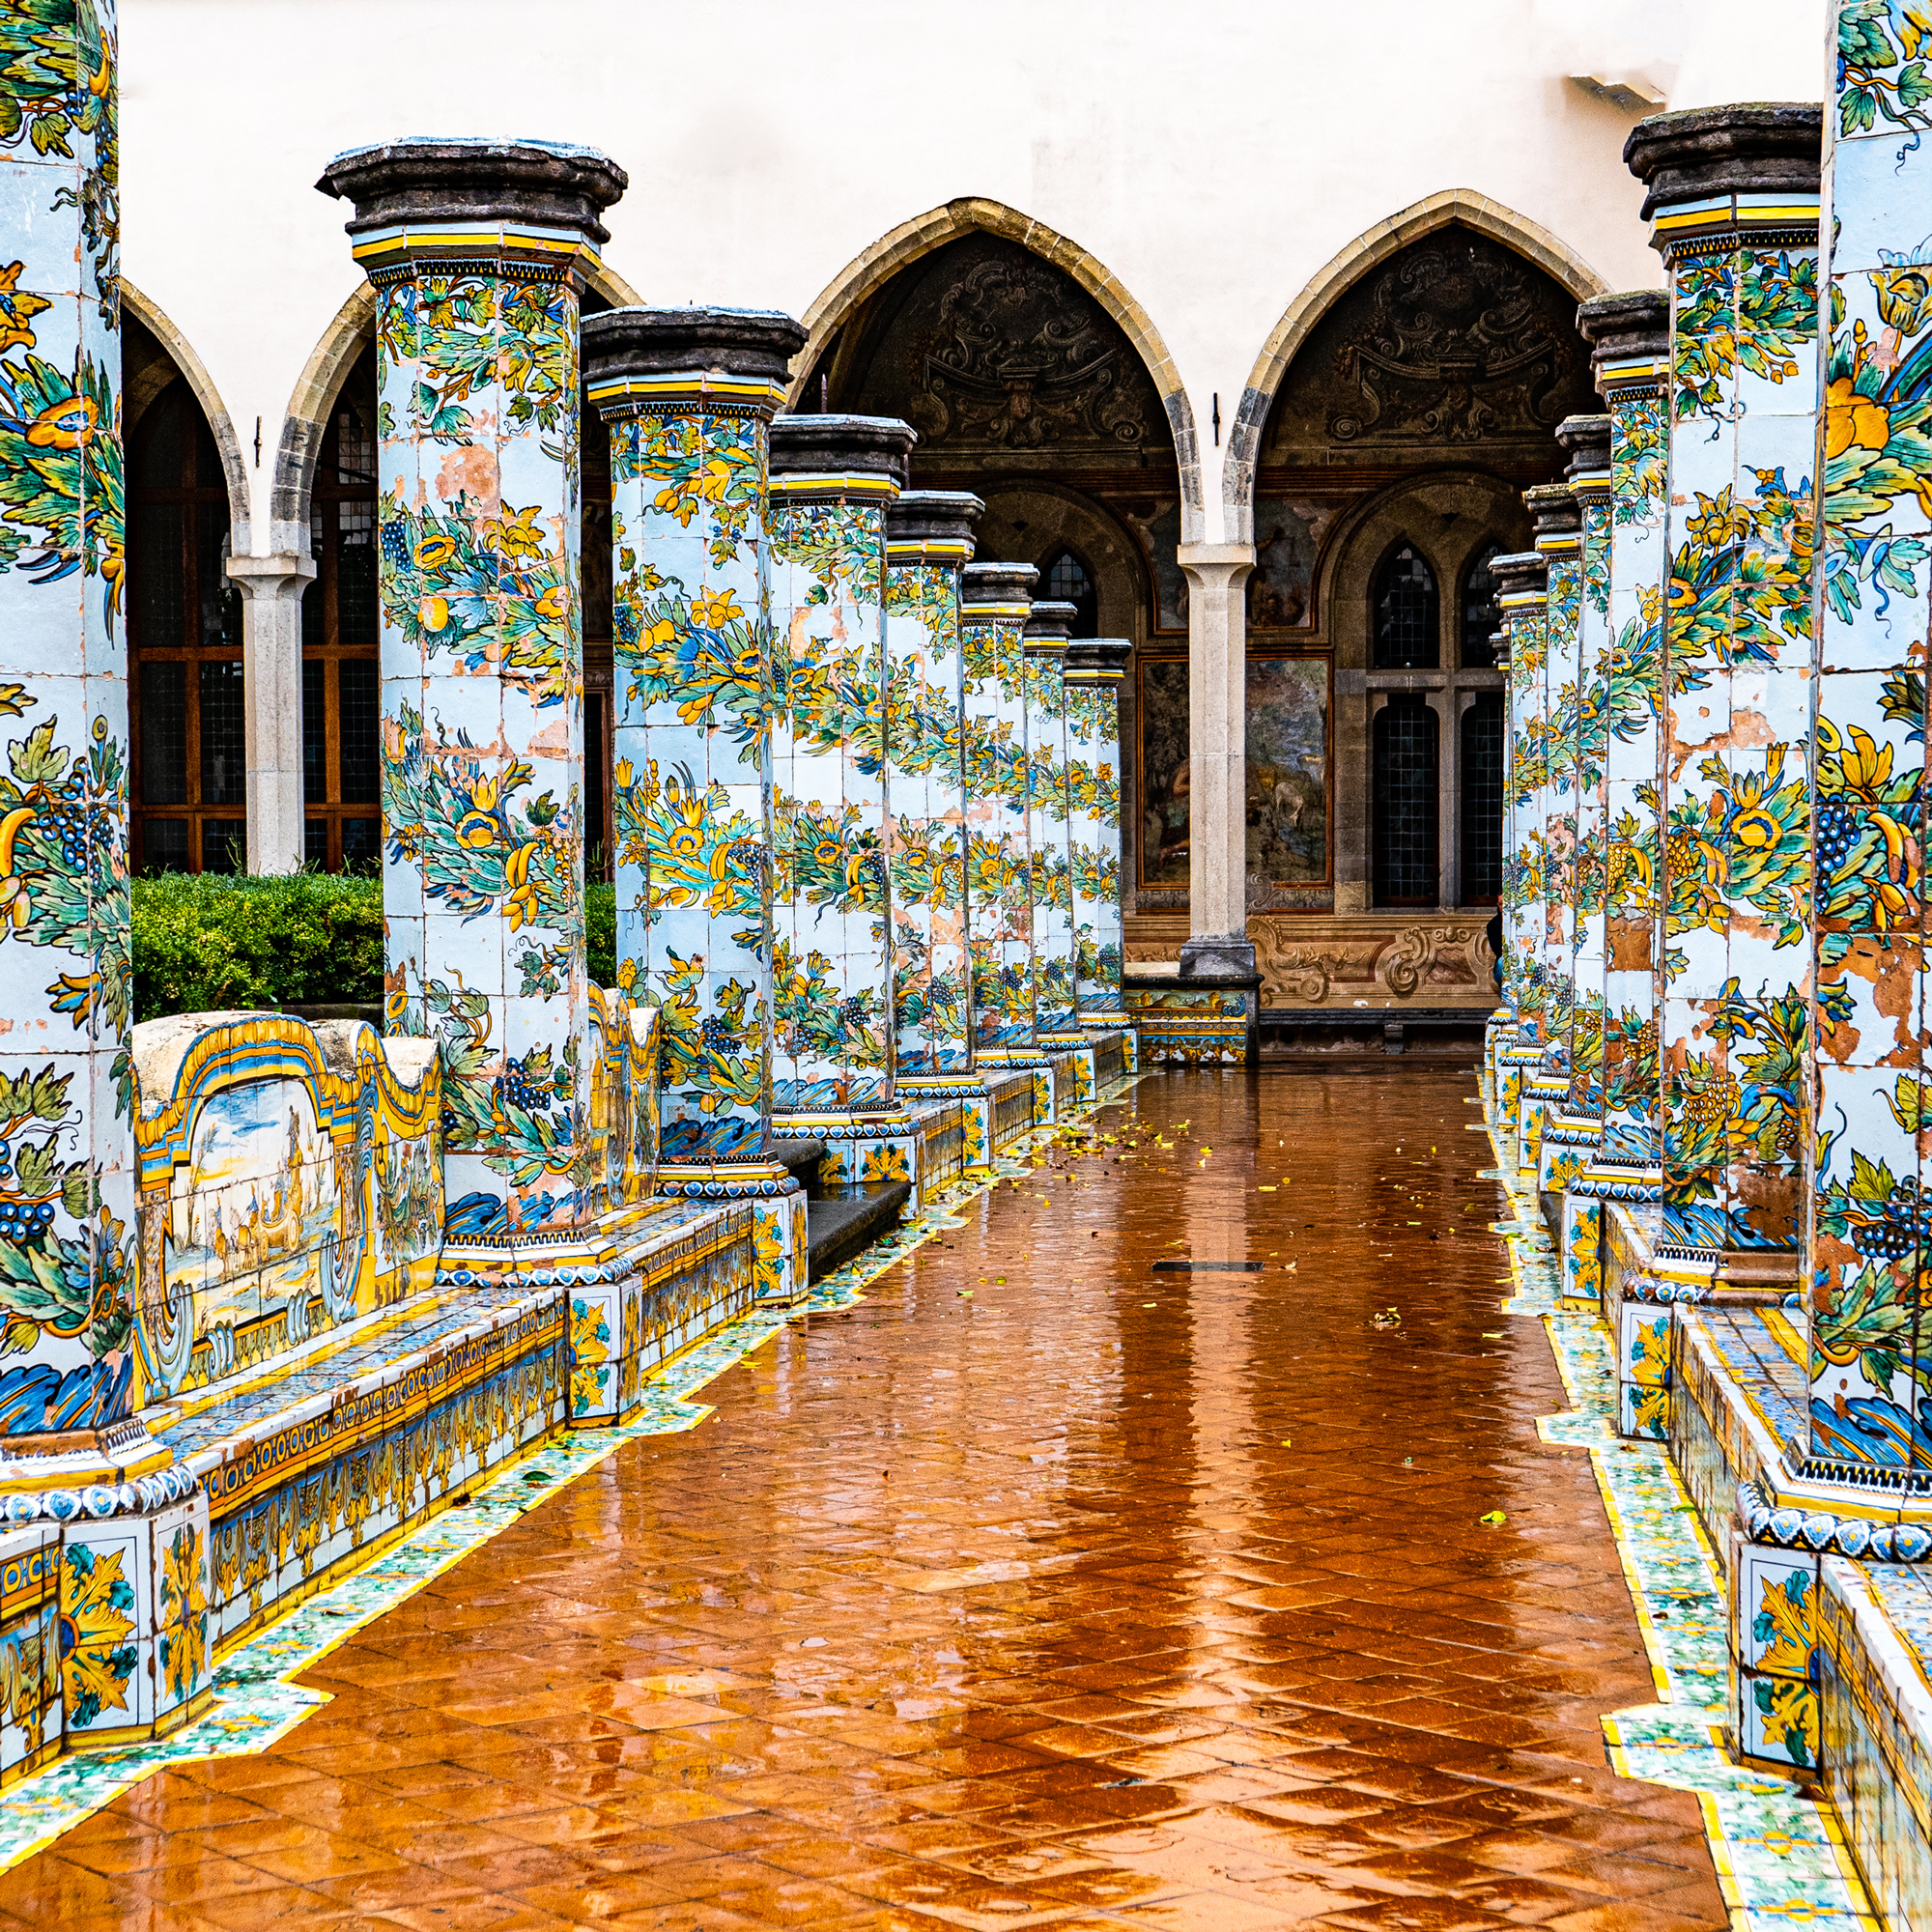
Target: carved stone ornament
x=1020, y=358
x=1455, y=348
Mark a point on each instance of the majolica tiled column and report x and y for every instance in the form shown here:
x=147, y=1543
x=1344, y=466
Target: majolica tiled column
x=103, y=1539
x=1865, y=1229
x=1624, y=557
x=928, y=538
x=1094, y=670
x=1559, y=541
x=1049, y=815
x=476, y=251
x=689, y=396
x=1521, y=595
x=1630, y=338
x=832, y=479
x=1587, y=440
x=1733, y=204
x=995, y=599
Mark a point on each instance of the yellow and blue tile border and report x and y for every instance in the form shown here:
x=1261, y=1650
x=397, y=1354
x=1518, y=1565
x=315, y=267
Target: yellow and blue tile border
x=256, y=1699
x=1780, y=1850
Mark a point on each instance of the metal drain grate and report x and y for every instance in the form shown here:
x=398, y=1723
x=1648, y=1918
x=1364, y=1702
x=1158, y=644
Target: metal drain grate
x=1208, y=1267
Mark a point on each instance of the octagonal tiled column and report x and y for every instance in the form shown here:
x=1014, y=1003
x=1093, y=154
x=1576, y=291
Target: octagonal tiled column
x=103, y=1539
x=476, y=251
x=1521, y=597
x=995, y=599
x=1049, y=815
x=1095, y=670
x=1865, y=1221
x=928, y=539
x=833, y=481
x=689, y=396
x=1733, y=203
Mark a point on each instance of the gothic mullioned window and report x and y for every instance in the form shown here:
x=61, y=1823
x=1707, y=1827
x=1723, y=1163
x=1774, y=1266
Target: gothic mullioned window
x=1481, y=806
x=1065, y=579
x=190, y=774
x=1405, y=613
x=1405, y=804
x=1482, y=616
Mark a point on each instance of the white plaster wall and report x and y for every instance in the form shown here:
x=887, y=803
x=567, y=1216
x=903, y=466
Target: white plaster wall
x=1212, y=155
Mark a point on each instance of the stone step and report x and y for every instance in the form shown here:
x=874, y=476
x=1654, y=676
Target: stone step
x=837, y=1228
x=800, y=1158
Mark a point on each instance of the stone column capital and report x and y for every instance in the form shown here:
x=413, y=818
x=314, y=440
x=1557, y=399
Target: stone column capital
x=1717, y=175
x=1629, y=335
x=1098, y=660
x=932, y=525
x=1587, y=440
x=641, y=358
x=1523, y=574
x=454, y=198
x=271, y=576
x=1049, y=627
x=1223, y=566
x=993, y=589
x=841, y=455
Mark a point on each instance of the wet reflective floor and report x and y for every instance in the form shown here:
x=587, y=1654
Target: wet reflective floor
x=1045, y=1586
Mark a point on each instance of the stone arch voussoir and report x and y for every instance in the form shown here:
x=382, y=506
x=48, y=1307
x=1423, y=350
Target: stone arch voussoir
x=1486, y=217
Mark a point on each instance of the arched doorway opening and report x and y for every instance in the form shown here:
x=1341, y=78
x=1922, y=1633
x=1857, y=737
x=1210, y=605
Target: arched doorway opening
x=1387, y=471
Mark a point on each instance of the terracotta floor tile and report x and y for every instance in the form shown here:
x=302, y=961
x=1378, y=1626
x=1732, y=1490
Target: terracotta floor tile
x=1216, y=1682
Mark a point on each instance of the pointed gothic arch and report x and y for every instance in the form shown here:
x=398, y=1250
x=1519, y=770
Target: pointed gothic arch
x=1463, y=206
x=868, y=272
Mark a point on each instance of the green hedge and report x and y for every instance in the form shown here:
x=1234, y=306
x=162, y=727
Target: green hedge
x=207, y=941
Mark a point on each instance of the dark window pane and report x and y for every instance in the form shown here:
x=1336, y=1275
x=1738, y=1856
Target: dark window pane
x=1404, y=612
x=159, y=466
x=220, y=599
x=1483, y=799
x=311, y=614
x=223, y=753
x=596, y=764
x=154, y=565
x=356, y=573
x=164, y=733
x=315, y=731
x=1064, y=581
x=1404, y=801
x=208, y=472
x=355, y=438
x=164, y=844
x=361, y=844
x=362, y=729
x=315, y=843
x=1482, y=618
x=224, y=844
x=594, y=527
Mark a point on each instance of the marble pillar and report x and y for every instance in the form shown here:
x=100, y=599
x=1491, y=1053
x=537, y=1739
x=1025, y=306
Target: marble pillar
x=103, y=1537
x=1630, y=357
x=272, y=599
x=1094, y=670
x=928, y=539
x=1217, y=760
x=1050, y=816
x=832, y=479
x=1865, y=1225
x=1733, y=205
x=995, y=599
x=476, y=251
x=688, y=396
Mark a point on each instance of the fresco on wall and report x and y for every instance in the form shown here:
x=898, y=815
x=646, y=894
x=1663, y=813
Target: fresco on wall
x=1159, y=532
x=1281, y=588
x=1288, y=769
x=1163, y=772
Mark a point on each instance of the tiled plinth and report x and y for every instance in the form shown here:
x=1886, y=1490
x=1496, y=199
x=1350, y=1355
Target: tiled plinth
x=308, y=1469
